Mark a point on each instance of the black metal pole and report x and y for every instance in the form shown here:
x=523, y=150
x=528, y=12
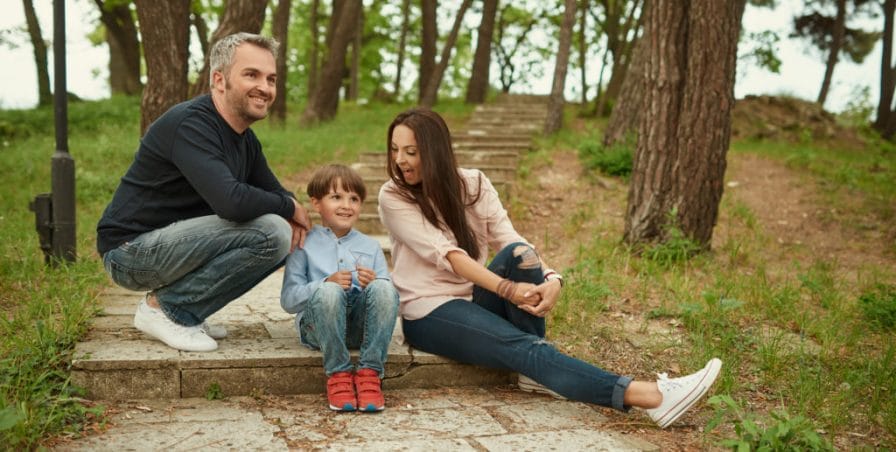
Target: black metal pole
x=63, y=165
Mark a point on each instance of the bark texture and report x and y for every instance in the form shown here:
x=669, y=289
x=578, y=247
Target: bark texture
x=554, y=120
x=680, y=160
x=477, y=87
x=430, y=94
x=885, y=123
x=124, y=48
x=429, y=34
x=165, y=49
x=280, y=31
x=324, y=101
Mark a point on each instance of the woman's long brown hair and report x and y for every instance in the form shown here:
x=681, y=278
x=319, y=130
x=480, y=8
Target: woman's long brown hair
x=441, y=190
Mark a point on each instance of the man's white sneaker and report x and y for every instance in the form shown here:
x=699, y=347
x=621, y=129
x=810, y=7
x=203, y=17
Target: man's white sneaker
x=680, y=394
x=155, y=323
x=529, y=385
x=214, y=331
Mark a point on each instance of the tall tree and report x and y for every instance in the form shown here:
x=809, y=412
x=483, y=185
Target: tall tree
x=512, y=30
x=885, y=123
x=477, y=88
x=239, y=15
x=124, y=47
x=324, y=101
x=626, y=114
x=429, y=34
x=314, y=51
x=402, y=43
x=44, y=95
x=621, y=24
x=556, y=101
x=583, y=49
x=165, y=30
x=680, y=161
x=428, y=99
x=833, y=36
x=280, y=31
x=355, y=67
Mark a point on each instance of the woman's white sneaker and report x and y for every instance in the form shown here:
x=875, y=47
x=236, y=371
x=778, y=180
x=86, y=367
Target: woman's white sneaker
x=155, y=323
x=680, y=394
x=213, y=330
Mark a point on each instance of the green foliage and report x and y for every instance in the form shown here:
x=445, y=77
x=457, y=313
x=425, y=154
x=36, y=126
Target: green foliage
x=760, y=49
x=675, y=247
x=782, y=432
x=613, y=160
x=879, y=306
x=214, y=392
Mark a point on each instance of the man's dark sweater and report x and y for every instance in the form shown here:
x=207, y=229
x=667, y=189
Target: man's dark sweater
x=189, y=164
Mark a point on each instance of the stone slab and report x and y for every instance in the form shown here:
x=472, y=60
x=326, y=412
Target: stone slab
x=121, y=384
x=590, y=440
x=124, y=354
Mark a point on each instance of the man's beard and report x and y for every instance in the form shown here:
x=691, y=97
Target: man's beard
x=240, y=103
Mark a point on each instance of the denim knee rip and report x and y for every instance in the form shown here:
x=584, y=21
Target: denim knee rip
x=528, y=257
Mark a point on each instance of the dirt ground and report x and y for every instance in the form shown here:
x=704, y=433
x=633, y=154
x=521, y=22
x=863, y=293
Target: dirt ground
x=787, y=209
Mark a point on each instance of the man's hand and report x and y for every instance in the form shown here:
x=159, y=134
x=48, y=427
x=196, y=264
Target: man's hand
x=301, y=224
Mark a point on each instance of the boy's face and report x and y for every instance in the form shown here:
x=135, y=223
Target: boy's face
x=338, y=209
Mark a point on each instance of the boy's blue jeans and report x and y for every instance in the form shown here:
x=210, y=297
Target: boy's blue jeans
x=336, y=320
x=492, y=332
x=196, y=267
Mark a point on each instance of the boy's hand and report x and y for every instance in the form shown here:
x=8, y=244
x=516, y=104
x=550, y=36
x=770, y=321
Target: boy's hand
x=342, y=277
x=365, y=276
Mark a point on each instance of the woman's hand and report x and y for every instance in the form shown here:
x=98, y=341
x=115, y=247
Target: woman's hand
x=524, y=295
x=547, y=293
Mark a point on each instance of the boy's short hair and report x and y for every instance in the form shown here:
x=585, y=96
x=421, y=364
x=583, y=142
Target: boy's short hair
x=328, y=176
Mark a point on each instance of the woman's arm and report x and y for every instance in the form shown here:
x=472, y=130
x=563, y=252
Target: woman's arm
x=522, y=294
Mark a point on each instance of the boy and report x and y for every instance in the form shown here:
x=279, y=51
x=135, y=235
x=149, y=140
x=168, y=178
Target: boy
x=340, y=289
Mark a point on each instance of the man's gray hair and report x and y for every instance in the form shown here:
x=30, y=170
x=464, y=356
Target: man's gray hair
x=221, y=56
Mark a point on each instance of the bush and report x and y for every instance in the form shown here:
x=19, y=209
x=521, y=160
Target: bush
x=613, y=160
x=879, y=306
x=784, y=432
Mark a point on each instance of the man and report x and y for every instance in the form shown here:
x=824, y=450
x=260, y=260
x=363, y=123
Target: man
x=199, y=218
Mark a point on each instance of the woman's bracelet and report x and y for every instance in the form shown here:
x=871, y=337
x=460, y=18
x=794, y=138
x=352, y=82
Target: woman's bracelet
x=506, y=288
x=550, y=275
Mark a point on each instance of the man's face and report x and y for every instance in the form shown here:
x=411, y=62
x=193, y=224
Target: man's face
x=250, y=84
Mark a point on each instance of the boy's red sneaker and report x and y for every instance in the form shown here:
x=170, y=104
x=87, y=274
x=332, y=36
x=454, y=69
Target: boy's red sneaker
x=341, y=392
x=370, y=393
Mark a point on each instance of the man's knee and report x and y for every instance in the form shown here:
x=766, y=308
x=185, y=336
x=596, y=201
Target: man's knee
x=278, y=231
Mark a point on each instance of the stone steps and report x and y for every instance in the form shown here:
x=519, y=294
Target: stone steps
x=262, y=354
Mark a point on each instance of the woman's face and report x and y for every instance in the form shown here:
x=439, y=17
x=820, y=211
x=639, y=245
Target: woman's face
x=405, y=154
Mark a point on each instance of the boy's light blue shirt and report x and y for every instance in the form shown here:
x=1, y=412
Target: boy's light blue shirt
x=323, y=255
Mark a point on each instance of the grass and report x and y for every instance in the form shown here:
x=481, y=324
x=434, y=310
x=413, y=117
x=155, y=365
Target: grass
x=44, y=310
x=807, y=344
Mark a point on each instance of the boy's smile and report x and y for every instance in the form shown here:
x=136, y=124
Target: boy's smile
x=338, y=209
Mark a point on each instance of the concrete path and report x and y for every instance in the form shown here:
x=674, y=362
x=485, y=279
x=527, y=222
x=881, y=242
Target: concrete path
x=415, y=419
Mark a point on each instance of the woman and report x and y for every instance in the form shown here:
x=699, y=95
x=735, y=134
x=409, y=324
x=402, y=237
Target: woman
x=443, y=220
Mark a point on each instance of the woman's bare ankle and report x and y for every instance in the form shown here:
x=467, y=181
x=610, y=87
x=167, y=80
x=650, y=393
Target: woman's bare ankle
x=643, y=394
x=152, y=301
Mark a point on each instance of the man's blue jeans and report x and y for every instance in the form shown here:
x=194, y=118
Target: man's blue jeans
x=492, y=332
x=336, y=320
x=196, y=266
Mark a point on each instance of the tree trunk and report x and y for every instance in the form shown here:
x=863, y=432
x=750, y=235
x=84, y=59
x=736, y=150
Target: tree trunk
x=887, y=70
x=355, y=67
x=626, y=116
x=680, y=161
x=583, y=49
x=402, y=42
x=201, y=27
x=477, y=88
x=429, y=34
x=44, y=95
x=280, y=31
x=435, y=79
x=239, y=16
x=314, y=52
x=836, y=44
x=165, y=49
x=124, y=48
x=620, y=46
x=324, y=102
x=554, y=120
